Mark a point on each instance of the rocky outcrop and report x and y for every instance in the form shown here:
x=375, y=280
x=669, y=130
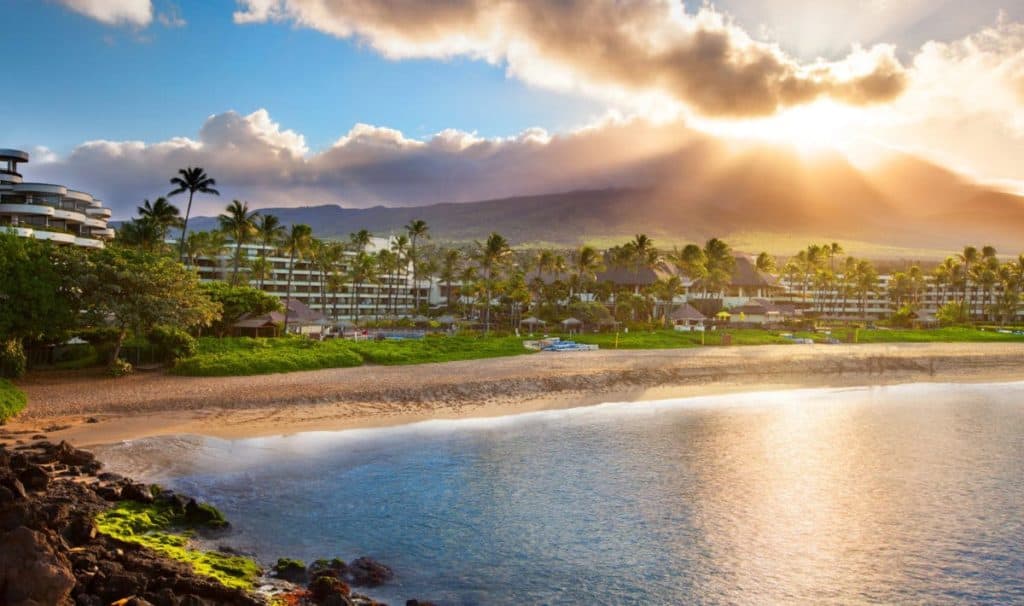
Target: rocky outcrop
x=51, y=553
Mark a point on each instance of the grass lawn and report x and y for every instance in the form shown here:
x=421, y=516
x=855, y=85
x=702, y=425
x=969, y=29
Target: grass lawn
x=247, y=356
x=936, y=335
x=12, y=400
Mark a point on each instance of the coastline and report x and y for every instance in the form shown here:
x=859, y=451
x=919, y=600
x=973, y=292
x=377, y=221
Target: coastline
x=88, y=410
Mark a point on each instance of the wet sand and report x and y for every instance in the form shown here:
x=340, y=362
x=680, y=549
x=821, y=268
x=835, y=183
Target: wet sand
x=87, y=408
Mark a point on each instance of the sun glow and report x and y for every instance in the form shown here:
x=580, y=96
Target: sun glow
x=812, y=128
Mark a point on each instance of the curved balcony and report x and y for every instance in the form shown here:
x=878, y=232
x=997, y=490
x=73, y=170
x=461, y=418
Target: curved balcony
x=28, y=209
x=89, y=242
x=24, y=232
x=98, y=212
x=41, y=188
x=69, y=215
x=9, y=177
x=97, y=223
x=80, y=196
x=54, y=236
x=104, y=233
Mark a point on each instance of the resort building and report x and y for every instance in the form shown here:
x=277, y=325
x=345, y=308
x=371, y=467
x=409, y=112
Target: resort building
x=49, y=212
x=391, y=295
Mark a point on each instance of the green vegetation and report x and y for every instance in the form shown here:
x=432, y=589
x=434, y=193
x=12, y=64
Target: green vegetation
x=167, y=531
x=248, y=356
x=952, y=334
x=12, y=400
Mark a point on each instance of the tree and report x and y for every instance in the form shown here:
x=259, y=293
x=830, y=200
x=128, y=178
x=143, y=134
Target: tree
x=666, y=290
x=766, y=263
x=136, y=291
x=240, y=225
x=360, y=270
x=719, y=263
x=451, y=265
x=968, y=258
x=586, y=263
x=416, y=229
x=269, y=231
x=141, y=234
x=203, y=244
x=40, y=291
x=296, y=243
x=400, y=246
x=191, y=180
x=237, y=301
x=491, y=256
x=161, y=214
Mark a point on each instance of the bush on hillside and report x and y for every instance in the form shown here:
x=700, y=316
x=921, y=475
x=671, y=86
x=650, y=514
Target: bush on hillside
x=172, y=343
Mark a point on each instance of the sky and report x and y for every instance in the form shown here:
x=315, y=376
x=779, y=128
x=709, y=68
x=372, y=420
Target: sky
x=400, y=102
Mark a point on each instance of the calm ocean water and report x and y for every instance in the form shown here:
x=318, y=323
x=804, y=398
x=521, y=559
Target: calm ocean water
x=874, y=495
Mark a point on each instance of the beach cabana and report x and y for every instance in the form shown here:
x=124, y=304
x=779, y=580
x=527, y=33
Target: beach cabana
x=571, y=325
x=687, y=318
x=446, y=320
x=532, y=322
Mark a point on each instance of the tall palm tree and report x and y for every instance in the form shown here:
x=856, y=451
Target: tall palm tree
x=416, y=229
x=641, y=253
x=162, y=214
x=719, y=264
x=586, y=263
x=239, y=223
x=400, y=246
x=359, y=240
x=361, y=269
x=191, y=180
x=968, y=258
x=296, y=243
x=203, y=244
x=269, y=231
x=490, y=256
x=451, y=262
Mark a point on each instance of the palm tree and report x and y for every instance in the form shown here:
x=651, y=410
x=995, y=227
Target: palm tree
x=586, y=263
x=240, y=225
x=766, y=263
x=451, y=262
x=416, y=229
x=359, y=240
x=203, y=244
x=269, y=231
x=360, y=270
x=162, y=214
x=641, y=253
x=191, y=180
x=666, y=290
x=140, y=233
x=719, y=264
x=968, y=258
x=400, y=246
x=490, y=256
x=296, y=243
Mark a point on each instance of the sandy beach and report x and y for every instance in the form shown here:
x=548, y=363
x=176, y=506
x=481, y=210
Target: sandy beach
x=89, y=409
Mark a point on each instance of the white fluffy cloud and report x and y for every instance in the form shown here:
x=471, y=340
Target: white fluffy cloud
x=645, y=52
x=114, y=12
x=254, y=158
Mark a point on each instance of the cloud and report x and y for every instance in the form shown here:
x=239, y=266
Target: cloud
x=254, y=158
x=643, y=51
x=114, y=12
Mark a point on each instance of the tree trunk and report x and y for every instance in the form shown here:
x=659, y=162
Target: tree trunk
x=288, y=289
x=117, y=347
x=184, y=227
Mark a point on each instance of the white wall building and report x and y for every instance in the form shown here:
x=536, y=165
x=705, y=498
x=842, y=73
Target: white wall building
x=49, y=212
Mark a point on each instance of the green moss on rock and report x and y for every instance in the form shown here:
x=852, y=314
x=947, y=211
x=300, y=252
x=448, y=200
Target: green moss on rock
x=157, y=526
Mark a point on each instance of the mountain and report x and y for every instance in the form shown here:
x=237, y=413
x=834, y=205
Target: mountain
x=706, y=191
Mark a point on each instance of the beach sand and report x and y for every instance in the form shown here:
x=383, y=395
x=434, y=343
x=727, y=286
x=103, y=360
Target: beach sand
x=87, y=408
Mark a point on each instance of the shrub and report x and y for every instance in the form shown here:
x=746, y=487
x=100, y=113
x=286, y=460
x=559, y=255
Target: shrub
x=172, y=343
x=12, y=359
x=120, y=368
x=12, y=400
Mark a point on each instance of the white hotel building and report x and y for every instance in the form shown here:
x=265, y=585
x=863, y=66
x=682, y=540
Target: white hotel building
x=49, y=212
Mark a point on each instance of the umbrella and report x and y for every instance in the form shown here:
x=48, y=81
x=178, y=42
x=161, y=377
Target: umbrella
x=723, y=314
x=447, y=320
x=571, y=322
x=421, y=319
x=532, y=321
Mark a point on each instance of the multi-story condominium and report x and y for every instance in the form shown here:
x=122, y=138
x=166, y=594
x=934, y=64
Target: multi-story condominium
x=387, y=296
x=49, y=212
